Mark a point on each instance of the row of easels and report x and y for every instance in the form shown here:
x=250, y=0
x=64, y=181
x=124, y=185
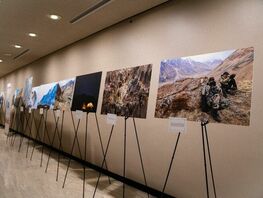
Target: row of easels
x=25, y=122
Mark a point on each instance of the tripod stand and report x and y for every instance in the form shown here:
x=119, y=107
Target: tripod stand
x=124, y=155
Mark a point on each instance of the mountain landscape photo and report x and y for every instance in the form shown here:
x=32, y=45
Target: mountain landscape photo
x=64, y=94
x=181, y=81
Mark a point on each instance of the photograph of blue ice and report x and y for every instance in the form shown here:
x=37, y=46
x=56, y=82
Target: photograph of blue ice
x=216, y=86
x=64, y=96
x=86, y=92
x=27, y=91
x=47, y=96
x=34, y=97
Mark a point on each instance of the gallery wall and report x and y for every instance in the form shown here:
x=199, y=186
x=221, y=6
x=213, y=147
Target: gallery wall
x=176, y=29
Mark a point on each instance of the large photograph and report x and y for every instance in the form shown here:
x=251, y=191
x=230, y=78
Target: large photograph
x=27, y=91
x=34, y=97
x=17, y=97
x=86, y=92
x=216, y=86
x=126, y=91
x=64, y=96
x=47, y=95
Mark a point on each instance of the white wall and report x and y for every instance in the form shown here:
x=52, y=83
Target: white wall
x=180, y=28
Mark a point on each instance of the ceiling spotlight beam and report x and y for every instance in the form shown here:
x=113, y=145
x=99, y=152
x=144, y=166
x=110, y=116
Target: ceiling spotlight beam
x=90, y=10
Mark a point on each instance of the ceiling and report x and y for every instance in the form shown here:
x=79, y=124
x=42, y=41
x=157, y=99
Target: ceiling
x=20, y=17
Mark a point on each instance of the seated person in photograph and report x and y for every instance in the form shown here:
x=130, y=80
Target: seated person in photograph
x=228, y=83
x=213, y=98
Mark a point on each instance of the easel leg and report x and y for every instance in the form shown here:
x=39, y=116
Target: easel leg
x=103, y=161
x=43, y=138
x=210, y=161
x=60, y=143
x=72, y=148
x=124, y=155
x=37, y=135
x=85, y=154
x=101, y=144
x=140, y=153
x=12, y=125
x=204, y=152
x=53, y=139
x=23, y=129
x=30, y=132
x=171, y=163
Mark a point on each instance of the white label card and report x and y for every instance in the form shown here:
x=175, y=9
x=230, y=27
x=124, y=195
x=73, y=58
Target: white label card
x=29, y=110
x=21, y=109
x=79, y=114
x=41, y=111
x=111, y=119
x=57, y=113
x=177, y=125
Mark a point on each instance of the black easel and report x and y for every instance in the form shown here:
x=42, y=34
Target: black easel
x=60, y=143
x=171, y=163
x=24, y=124
x=43, y=137
x=37, y=133
x=30, y=129
x=53, y=138
x=73, y=145
x=12, y=121
x=85, y=154
x=124, y=155
x=205, y=136
x=103, y=161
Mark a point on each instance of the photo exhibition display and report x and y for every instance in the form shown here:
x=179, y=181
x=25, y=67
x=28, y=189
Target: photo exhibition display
x=217, y=86
x=126, y=91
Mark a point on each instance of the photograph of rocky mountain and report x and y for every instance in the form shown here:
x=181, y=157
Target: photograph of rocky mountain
x=86, y=92
x=46, y=95
x=126, y=91
x=217, y=86
x=64, y=96
x=27, y=91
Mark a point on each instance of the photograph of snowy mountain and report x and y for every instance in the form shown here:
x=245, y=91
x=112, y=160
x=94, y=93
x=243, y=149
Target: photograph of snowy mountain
x=64, y=96
x=17, y=97
x=27, y=91
x=86, y=92
x=34, y=97
x=126, y=91
x=46, y=96
x=217, y=86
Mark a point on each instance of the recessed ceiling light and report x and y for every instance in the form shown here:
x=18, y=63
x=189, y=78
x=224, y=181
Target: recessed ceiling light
x=31, y=34
x=1, y=61
x=54, y=17
x=18, y=46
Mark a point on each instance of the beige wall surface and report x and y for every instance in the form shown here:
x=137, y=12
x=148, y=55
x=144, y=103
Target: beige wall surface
x=179, y=28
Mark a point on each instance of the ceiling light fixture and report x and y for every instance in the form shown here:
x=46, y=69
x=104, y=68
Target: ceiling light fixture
x=31, y=34
x=1, y=61
x=54, y=17
x=18, y=46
